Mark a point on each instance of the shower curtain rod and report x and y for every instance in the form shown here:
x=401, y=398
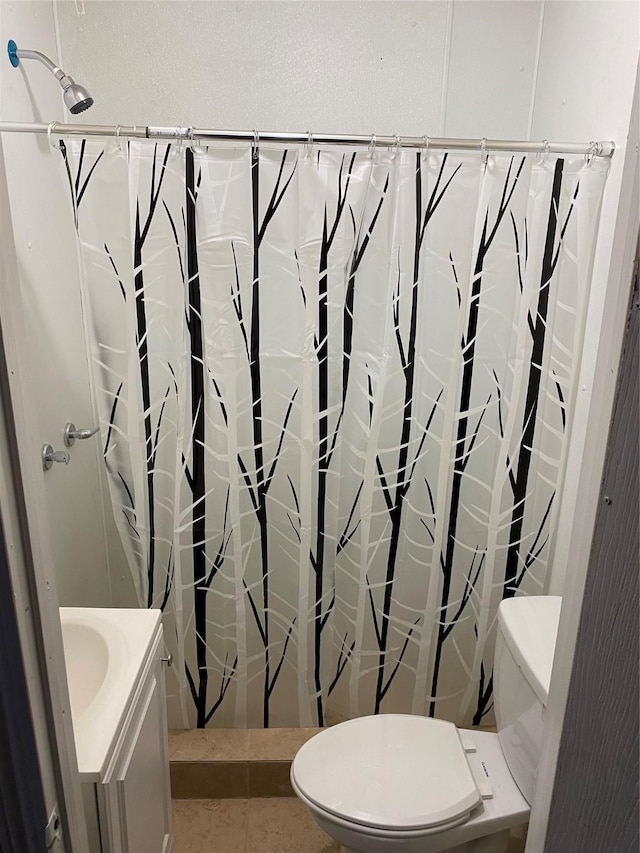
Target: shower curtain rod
x=197, y=134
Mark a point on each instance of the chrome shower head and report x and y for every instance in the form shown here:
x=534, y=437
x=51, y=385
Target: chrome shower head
x=76, y=98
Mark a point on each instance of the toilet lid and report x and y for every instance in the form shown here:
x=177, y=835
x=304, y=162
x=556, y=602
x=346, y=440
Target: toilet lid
x=388, y=771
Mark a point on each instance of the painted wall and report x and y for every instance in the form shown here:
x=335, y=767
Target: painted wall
x=49, y=285
x=461, y=68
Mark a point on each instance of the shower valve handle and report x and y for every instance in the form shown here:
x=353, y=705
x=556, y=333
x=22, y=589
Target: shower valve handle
x=71, y=433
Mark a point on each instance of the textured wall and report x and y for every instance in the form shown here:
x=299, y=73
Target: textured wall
x=48, y=280
x=464, y=68
x=594, y=806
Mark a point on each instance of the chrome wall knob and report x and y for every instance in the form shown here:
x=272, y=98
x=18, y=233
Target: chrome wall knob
x=49, y=456
x=71, y=433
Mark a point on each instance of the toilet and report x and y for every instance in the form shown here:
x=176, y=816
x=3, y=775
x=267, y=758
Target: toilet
x=402, y=783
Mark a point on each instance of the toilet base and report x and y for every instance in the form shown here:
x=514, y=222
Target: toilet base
x=496, y=843
x=486, y=830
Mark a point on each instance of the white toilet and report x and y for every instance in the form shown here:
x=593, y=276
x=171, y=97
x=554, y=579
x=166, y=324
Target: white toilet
x=397, y=783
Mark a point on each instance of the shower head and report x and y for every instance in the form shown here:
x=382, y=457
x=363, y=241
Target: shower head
x=76, y=98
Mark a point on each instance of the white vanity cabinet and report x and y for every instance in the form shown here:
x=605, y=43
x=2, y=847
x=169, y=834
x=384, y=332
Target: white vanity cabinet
x=129, y=808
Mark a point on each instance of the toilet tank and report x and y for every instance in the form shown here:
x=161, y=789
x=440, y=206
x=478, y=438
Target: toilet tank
x=525, y=645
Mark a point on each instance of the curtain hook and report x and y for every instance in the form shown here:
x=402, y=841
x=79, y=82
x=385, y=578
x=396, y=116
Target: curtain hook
x=179, y=137
x=119, y=140
x=50, y=129
x=592, y=152
x=425, y=149
x=484, y=157
x=545, y=150
x=372, y=146
x=192, y=142
x=309, y=145
x=255, y=148
x=396, y=146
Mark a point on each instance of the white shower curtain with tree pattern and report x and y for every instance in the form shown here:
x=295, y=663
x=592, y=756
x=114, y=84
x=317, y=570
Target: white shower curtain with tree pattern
x=335, y=390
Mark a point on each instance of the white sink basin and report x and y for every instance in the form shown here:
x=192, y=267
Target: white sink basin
x=105, y=650
x=86, y=656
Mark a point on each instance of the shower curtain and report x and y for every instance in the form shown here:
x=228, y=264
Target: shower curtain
x=335, y=390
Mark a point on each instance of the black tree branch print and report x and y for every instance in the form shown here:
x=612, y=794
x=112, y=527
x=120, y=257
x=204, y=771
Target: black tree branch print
x=263, y=480
x=516, y=567
x=395, y=498
x=462, y=450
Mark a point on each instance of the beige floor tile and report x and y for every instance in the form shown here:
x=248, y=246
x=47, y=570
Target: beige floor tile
x=210, y=826
x=285, y=826
x=210, y=780
x=270, y=779
x=278, y=825
x=277, y=744
x=208, y=744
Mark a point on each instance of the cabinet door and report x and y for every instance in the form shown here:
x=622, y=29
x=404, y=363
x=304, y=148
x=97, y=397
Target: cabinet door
x=143, y=792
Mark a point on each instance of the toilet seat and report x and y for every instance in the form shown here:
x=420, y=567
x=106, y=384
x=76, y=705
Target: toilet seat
x=388, y=772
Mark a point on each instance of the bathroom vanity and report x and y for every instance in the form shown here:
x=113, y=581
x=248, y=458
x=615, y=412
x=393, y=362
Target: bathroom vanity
x=114, y=661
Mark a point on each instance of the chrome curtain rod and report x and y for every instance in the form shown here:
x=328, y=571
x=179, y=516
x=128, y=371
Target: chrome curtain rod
x=198, y=134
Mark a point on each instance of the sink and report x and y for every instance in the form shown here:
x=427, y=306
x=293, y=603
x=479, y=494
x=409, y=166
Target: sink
x=86, y=656
x=105, y=651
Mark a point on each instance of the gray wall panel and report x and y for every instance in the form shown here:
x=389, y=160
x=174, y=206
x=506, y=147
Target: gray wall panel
x=594, y=808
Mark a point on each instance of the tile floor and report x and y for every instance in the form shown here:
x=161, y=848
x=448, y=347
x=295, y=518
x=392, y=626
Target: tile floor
x=237, y=744
x=233, y=763
x=279, y=825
